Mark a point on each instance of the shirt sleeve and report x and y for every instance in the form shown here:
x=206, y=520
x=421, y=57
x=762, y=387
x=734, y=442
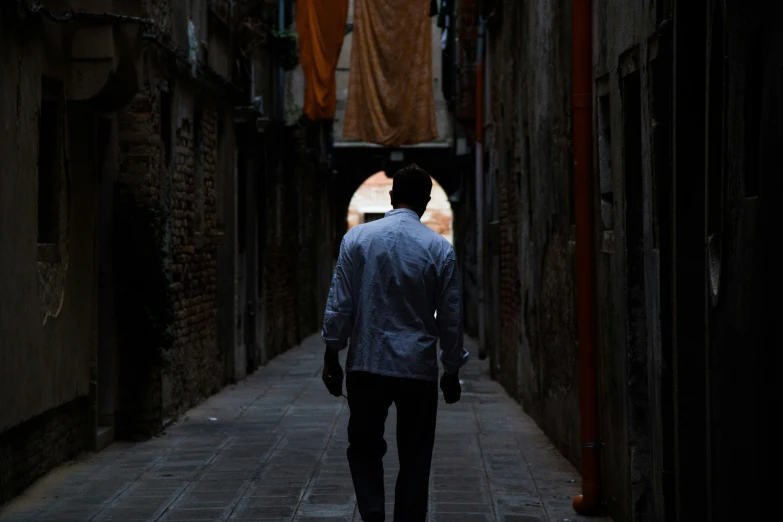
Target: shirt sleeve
x=338, y=317
x=452, y=354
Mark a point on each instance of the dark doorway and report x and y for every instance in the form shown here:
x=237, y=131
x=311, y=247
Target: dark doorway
x=373, y=216
x=636, y=298
x=664, y=437
x=107, y=330
x=689, y=350
x=251, y=174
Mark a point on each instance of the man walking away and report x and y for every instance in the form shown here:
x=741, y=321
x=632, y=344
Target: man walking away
x=392, y=276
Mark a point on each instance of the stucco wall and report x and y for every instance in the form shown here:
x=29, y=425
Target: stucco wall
x=42, y=364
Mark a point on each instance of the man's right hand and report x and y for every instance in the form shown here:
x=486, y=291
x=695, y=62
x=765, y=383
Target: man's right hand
x=451, y=388
x=332, y=373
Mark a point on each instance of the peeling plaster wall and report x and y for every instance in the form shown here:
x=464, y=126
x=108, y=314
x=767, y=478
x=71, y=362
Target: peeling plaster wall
x=530, y=188
x=629, y=343
x=530, y=181
x=49, y=271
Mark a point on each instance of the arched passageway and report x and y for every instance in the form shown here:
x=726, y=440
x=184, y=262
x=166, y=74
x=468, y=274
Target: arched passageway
x=354, y=164
x=371, y=201
x=452, y=195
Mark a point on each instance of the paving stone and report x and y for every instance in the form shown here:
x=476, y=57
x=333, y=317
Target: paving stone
x=462, y=507
x=278, y=452
x=194, y=514
x=222, y=486
x=280, y=512
x=275, y=491
x=320, y=519
x=127, y=513
x=208, y=496
x=331, y=490
x=276, y=502
x=330, y=499
x=344, y=511
x=70, y=514
x=208, y=476
x=462, y=517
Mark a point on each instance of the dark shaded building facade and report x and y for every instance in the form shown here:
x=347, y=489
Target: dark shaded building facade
x=182, y=232
x=687, y=118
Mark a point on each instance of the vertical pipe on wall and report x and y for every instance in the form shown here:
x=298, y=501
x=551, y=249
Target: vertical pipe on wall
x=480, y=188
x=582, y=100
x=252, y=80
x=280, y=73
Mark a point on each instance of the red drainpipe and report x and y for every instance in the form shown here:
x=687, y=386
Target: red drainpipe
x=589, y=502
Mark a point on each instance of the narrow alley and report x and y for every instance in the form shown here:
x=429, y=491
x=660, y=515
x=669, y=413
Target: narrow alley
x=273, y=448
x=601, y=181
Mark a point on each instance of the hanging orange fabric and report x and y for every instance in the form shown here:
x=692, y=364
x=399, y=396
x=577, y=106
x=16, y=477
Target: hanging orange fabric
x=390, y=94
x=321, y=28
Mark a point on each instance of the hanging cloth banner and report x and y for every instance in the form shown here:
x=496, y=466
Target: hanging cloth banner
x=390, y=93
x=321, y=29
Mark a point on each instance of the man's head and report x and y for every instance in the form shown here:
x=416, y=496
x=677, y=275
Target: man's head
x=411, y=189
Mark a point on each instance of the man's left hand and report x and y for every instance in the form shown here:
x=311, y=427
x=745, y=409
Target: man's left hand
x=451, y=388
x=333, y=373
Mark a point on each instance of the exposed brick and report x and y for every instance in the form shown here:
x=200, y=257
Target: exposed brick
x=29, y=450
x=530, y=172
x=510, y=295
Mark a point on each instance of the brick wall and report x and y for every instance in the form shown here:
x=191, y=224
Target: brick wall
x=464, y=235
x=197, y=366
x=307, y=258
x=139, y=393
x=280, y=263
x=139, y=147
x=290, y=216
x=186, y=190
x=297, y=235
x=509, y=291
x=281, y=258
x=31, y=449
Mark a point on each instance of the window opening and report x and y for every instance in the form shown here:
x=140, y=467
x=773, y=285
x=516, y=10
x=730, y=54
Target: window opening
x=49, y=162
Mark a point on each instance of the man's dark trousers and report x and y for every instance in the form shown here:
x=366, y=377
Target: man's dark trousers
x=369, y=397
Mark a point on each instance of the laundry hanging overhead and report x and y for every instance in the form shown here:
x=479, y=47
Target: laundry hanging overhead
x=321, y=29
x=390, y=94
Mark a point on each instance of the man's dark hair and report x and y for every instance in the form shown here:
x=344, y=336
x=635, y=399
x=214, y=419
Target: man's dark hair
x=412, y=186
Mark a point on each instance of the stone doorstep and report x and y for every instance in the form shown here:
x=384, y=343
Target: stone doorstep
x=104, y=435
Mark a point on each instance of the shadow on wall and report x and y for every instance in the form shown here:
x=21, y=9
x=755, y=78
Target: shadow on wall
x=371, y=201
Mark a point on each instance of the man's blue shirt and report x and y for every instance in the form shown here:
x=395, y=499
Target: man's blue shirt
x=391, y=278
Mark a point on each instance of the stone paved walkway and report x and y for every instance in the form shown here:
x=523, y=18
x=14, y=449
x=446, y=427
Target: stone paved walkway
x=273, y=448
